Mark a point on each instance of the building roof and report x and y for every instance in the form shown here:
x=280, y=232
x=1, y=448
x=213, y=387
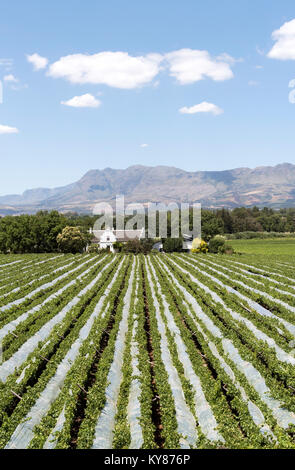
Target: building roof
x=121, y=235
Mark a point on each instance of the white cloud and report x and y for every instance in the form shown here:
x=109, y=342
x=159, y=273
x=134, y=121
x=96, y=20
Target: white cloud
x=10, y=78
x=284, y=48
x=38, y=61
x=144, y=145
x=121, y=70
x=224, y=57
x=8, y=130
x=203, y=107
x=259, y=67
x=83, y=101
x=190, y=66
x=253, y=83
x=115, y=69
x=14, y=82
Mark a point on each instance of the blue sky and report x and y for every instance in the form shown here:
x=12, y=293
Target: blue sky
x=192, y=84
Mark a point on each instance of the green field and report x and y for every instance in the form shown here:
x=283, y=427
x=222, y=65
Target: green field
x=276, y=246
x=158, y=351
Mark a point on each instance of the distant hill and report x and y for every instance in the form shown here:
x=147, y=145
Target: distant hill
x=261, y=186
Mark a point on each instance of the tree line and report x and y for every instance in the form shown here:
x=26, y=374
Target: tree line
x=38, y=233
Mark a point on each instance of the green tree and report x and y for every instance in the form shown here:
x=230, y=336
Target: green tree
x=71, y=240
x=211, y=225
x=225, y=216
x=171, y=245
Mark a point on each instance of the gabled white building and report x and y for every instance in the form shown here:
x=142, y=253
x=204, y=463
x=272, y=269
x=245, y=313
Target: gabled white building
x=106, y=238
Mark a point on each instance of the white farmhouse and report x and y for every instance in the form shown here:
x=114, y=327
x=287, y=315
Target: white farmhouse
x=106, y=238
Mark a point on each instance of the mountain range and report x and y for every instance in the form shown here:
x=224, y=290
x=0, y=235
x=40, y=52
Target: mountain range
x=262, y=186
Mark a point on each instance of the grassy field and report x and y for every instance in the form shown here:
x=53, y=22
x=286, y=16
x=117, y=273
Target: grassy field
x=277, y=246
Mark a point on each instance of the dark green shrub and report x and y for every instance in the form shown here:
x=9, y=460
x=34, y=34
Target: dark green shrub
x=171, y=245
x=216, y=244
